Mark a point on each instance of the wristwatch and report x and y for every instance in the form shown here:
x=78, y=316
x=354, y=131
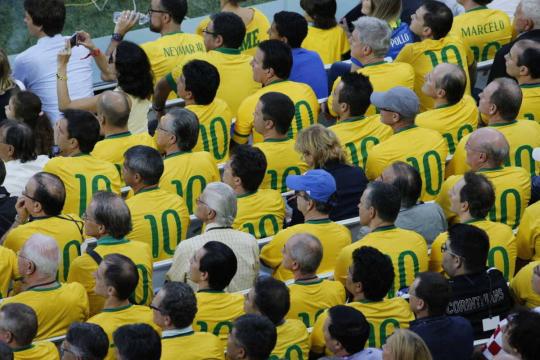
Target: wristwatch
x=117, y=37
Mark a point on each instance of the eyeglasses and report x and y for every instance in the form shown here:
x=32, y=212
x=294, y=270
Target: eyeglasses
x=22, y=256
x=161, y=311
x=444, y=248
x=25, y=194
x=159, y=127
x=199, y=201
x=85, y=217
x=206, y=31
x=150, y=11
x=64, y=349
x=470, y=148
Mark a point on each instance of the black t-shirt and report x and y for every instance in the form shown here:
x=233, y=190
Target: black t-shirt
x=480, y=296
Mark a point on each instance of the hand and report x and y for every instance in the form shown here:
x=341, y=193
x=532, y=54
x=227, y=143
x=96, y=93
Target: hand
x=126, y=22
x=84, y=39
x=20, y=207
x=64, y=55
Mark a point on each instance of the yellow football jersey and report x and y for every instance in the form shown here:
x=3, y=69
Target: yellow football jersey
x=192, y=346
x=84, y=267
x=216, y=312
x=292, y=341
x=453, y=122
x=502, y=247
x=41, y=350
x=256, y=31
x=305, y=103
x=522, y=289
x=282, y=161
x=162, y=225
x=56, y=307
x=528, y=235
x=333, y=237
x=9, y=269
x=235, y=76
x=530, y=105
x=214, y=128
x=331, y=44
x=309, y=299
x=522, y=136
x=260, y=213
x=359, y=134
x=406, y=248
x=383, y=316
x=427, y=156
x=187, y=173
x=427, y=54
x=170, y=49
x=67, y=230
x=402, y=74
x=512, y=187
x=113, y=147
x=83, y=175
x=112, y=318
x=483, y=30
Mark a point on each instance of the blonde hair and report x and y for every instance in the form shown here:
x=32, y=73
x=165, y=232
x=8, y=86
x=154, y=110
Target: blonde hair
x=6, y=81
x=407, y=345
x=322, y=144
x=387, y=10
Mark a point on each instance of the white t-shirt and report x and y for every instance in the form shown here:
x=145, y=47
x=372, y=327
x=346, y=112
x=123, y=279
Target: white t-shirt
x=17, y=173
x=36, y=67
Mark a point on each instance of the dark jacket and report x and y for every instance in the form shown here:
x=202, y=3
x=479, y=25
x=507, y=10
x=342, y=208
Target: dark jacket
x=447, y=337
x=7, y=210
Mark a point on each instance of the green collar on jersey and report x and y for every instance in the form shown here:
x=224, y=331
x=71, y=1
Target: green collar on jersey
x=211, y=291
x=22, y=348
x=473, y=220
x=229, y=51
x=119, y=308
x=277, y=81
x=119, y=135
x=482, y=7
x=150, y=188
x=109, y=240
x=173, y=33
x=490, y=169
x=277, y=140
x=504, y=124
x=525, y=86
x=177, y=153
x=443, y=106
x=412, y=126
x=319, y=221
x=375, y=63
x=353, y=119
x=57, y=286
x=384, y=228
x=80, y=154
x=246, y=194
x=303, y=282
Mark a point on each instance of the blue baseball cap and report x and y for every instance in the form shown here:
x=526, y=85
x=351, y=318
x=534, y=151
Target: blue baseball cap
x=318, y=184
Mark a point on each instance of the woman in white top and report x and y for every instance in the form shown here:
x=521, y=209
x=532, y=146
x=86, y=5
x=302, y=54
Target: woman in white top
x=18, y=151
x=128, y=64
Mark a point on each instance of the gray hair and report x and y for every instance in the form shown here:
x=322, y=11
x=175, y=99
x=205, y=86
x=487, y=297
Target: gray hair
x=532, y=10
x=21, y=321
x=374, y=33
x=184, y=124
x=307, y=251
x=507, y=97
x=111, y=211
x=493, y=143
x=221, y=198
x=43, y=251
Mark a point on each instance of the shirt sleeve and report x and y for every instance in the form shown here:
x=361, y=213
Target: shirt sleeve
x=271, y=254
x=244, y=122
x=180, y=265
x=435, y=261
x=317, y=336
x=526, y=235
x=342, y=263
x=405, y=55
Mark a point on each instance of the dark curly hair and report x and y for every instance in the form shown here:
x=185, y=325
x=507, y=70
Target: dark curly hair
x=134, y=73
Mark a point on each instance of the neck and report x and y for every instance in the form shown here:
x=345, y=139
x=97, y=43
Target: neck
x=271, y=80
x=496, y=119
x=42, y=35
x=420, y=314
x=273, y=134
x=359, y=297
x=170, y=28
x=38, y=281
x=239, y=190
x=344, y=116
x=376, y=223
x=401, y=125
x=524, y=80
x=171, y=150
x=203, y=285
x=486, y=165
x=38, y=214
x=138, y=187
x=315, y=215
x=112, y=302
x=371, y=59
x=440, y=102
x=465, y=216
x=468, y=5
x=299, y=276
x=190, y=101
x=108, y=131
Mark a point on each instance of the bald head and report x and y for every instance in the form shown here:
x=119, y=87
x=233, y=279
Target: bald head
x=306, y=250
x=114, y=107
x=452, y=79
x=43, y=252
x=49, y=190
x=492, y=143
